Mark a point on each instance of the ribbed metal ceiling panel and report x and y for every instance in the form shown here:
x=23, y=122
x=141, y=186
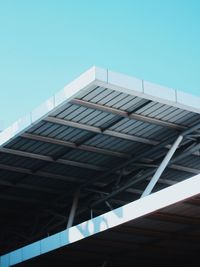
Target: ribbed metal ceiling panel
x=93, y=144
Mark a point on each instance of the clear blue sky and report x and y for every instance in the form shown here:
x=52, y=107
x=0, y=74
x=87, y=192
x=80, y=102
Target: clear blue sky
x=44, y=44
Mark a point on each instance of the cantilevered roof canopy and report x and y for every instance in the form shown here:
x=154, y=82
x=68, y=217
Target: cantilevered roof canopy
x=101, y=138
x=161, y=229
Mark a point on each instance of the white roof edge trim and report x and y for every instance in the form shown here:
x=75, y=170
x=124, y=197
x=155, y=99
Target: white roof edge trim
x=83, y=82
x=131, y=211
x=137, y=87
x=102, y=77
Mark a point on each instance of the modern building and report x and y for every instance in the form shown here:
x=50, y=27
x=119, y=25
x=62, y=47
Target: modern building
x=104, y=173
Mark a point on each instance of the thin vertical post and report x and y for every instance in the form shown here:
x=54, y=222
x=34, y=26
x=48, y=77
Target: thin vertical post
x=73, y=209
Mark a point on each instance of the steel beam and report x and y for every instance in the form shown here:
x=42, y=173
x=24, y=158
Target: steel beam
x=75, y=146
x=129, y=137
x=172, y=166
x=102, y=151
x=137, y=180
x=148, y=152
x=167, y=141
x=51, y=159
x=163, y=181
x=64, y=178
x=125, y=114
x=74, y=180
x=105, y=132
x=98, y=130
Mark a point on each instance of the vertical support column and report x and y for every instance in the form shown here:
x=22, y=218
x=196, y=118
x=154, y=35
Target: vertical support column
x=162, y=167
x=73, y=209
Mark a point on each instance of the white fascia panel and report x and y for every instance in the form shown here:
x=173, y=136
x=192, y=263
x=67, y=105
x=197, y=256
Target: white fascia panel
x=42, y=110
x=155, y=92
x=50, y=243
x=15, y=129
x=123, y=83
x=83, y=82
x=136, y=87
x=136, y=209
x=121, y=80
x=31, y=251
x=16, y=257
x=80, y=84
x=101, y=77
x=184, y=100
x=5, y=260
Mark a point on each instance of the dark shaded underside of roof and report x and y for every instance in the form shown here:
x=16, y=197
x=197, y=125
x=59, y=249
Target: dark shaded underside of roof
x=168, y=237
x=100, y=143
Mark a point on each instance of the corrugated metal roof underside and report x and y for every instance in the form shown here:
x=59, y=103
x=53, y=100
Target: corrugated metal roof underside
x=90, y=139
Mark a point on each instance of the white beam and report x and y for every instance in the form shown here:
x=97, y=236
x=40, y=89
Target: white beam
x=162, y=166
x=127, y=213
